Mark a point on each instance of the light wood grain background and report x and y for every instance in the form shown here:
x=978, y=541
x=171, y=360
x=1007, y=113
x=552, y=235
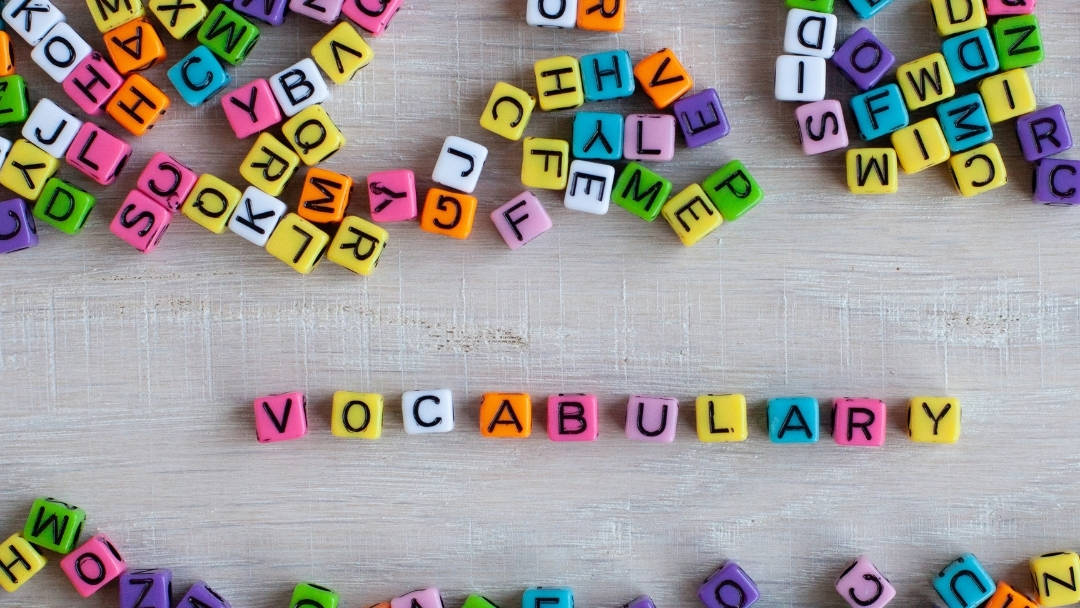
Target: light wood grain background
x=127, y=379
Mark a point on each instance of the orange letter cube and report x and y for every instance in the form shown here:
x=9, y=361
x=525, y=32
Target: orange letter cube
x=137, y=105
x=506, y=415
x=663, y=78
x=448, y=213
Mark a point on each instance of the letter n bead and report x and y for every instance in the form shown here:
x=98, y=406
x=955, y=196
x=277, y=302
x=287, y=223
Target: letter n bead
x=430, y=411
x=721, y=418
x=53, y=525
x=280, y=417
x=358, y=245
x=651, y=419
x=520, y=220
x=727, y=587
x=357, y=415
x=934, y=420
x=858, y=422
x=134, y=46
x=572, y=417
x=506, y=415
x=1055, y=577
x=964, y=583
x=21, y=562
x=140, y=221
x=862, y=585
x=310, y=595
x=93, y=565
x=145, y=588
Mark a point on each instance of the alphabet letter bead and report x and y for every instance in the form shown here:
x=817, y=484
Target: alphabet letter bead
x=858, y=422
x=280, y=417
x=1044, y=133
x=93, y=565
x=137, y=105
x=427, y=412
x=925, y=81
x=471, y=601
x=508, y=111
x=872, y=171
x=520, y=220
x=269, y=164
x=956, y=16
x=134, y=46
x=607, y=75
x=1007, y=597
x=558, y=82
x=864, y=59
x=7, y=54
x=98, y=154
x=822, y=6
x=313, y=135
x=920, y=146
x=342, y=52
x=868, y=8
x=325, y=196
x=448, y=213
x=799, y=78
x=298, y=243
x=51, y=128
x=1055, y=578
x=145, y=588
x=1018, y=41
x=641, y=191
x=53, y=525
x=649, y=137
x=721, y=418
x=92, y=83
x=227, y=34
x=140, y=222
x=642, y=601
x=256, y=216
x=572, y=417
x=251, y=108
x=109, y=15
x=374, y=19
x=544, y=163
x=978, y=170
x=357, y=415
x=793, y=420
x=198, y=76
x=663, y=78
x=691, y=215
x=310, y=595
x=13, y=105
x=589, y=187
x=268, y=11
x=862, y=585
x=211, y=203
x=506, y=415
x=21, y=560
x=1010, y=7
x=821, y=126
x=178, y=18
x=31, y=19
x=1057, y=182
x=460, y=163
x=728, y=586
x=17, y=228
x=701, y=118
x=551, y=13
x=547, y=597
x=26, y=169
x=323, y=11
x=970, y=55
x=810, y=33
x=63, y=206
x=201, y=596
x=392, y=195
x=598, y=135
x=1007, y=95
x=964, y=583
x=652, y=419
x=879, y=111
x=58, y=53
x=601, y=15
x=934, y=420
x=299, y=86
x=166, y=181
x=358, y=245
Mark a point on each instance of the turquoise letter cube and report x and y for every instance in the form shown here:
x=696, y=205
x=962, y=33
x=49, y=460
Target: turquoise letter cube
x=198, y=76
x=547, y=597
x=964, y=583
x=879, y=111
x=793, y=420
x=598, y=135
x=965, y=122
x=970, y=55
x=607, y=75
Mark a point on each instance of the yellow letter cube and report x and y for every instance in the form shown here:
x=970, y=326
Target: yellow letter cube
x=558, y=82
x=956, y=16
x=357, y=415
x=26, y=169
x=342, y=52
x=925, y=81
x=872, y=171
x=508, y=111
x=269, y=164
x=920, y=146
x=544, y=163
x=20, y=560
x=211, y=203
x=1007, y=95
x=933, y=419
x=178, y=18
x=721, y=418
x=978, y=170
x=298, y=243
x=691, y=215
x=358, y=244
x=112, y=14
x=313, y=135
x=1054, y=575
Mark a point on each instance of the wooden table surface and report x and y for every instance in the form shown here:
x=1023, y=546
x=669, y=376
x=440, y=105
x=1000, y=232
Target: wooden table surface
x=127, y=380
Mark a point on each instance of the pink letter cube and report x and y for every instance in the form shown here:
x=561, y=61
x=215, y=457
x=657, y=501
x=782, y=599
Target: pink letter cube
x=821, y=126
x=520, y=220
x=166, y=181
x=1010, y=7
x=572, y=417
x=649, y=137
x=651, y=418
x=392, y=195
x=140, y=221
x=422, y=598
x=862, y=585
x=280, y=417
x=92, y=83
x=98, y=153
x=251, y=108
x=324, y=11
x=859, y=422
x=93, y=565
x=372, y=15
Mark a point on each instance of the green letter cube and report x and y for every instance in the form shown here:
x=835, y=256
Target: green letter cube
x=732, y=190
x=478, y=601
x=63, y=206
x=13, y=105
x=228, y=34
x=641, y=191
x=1018, y=41
x=310, y=595
x=54, y=525
x=821, y=6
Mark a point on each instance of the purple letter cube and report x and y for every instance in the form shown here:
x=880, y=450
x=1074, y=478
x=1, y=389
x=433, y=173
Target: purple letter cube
x=272, y=11
x=728, y=587
x=17, y=228
x=863, y=59
x=146, y=589
x=1043, y=133
x=201, y=596
x=643, y=601
x=862, y=585
x=701, y=118
x=1057, y=182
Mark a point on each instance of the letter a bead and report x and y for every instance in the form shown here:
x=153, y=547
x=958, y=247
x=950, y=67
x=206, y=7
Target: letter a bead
x=428, y=412
x=572, y=417
x=793, y=420
x=821, y=126
x=652, y=419
x=21, y=562
x=544, y=163
x=1055, y=576
x=601, y=15
x=934, y=420
x=721, y=418
x=358, y=245
x=728, y=586
x=964, y=583
x=298, y=243
x=280, y=417
x=506, y=415
x=54, y=525
x=508, y=111
x=230, y=36
x=862, y=585
x=356, y=415
x=63, y=206
x=93, y=565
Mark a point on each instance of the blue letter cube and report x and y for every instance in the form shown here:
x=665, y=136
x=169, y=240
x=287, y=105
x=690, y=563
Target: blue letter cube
x=598, y=135
x=868, y=8
x=965, y=122
x=879, y=111
x=793, y=420
x=970, y=55
x=964, y=583
x=198, y=76
x=607, y=75
x=547, y=597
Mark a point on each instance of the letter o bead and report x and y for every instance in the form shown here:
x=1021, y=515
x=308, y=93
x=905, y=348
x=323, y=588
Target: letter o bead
x=93, y=565
x=357, y=415
x=862, y=585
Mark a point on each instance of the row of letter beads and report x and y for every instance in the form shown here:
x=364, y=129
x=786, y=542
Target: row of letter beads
x=574, y=417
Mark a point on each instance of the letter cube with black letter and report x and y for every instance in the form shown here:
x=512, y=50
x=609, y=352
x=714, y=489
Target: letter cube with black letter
x=325, y=196
x=691, y=215
x=93, y=565
x=178, y=18
x=1055, y=577
x=965, y=122
x=428, y=411
x=862, y=585
x=733, y=190
x=392, y=195
x=269, y=164
x=1007, y=95
x=607, y=75
x=572, y=417
x=51, y=128
x=879, y=112
x=547, y=597
x=59, y=52
x=100, y=155
x=137, y=105
x=373, y=17
x=810, y=33
x=166, y=181
x=342, y=52
x=728, y=586
x=356, y=415
x=649, y=137
x=17, y=228
x=27, y=169
x=508, y=111
x=257, y=216
x=864, y=59
x=821, y=126
x=978, y=170
x=459, y=164
x=91, y=84
x=54, y=525
x=558, y=83
x=310, y=595
x=140, y=221
x=551, y=13
x=211, y=203
x=1018, y=41
x=145, y=588
x=134, y=46
x=598, y=135
x=701, y=118
x=520, y=220
x=230, y=36
x=251, y=108
x=63, y=206
x=663, y=78
x=198, y=76
x=358, y=245
x=544, y=163
x=313, y=135
x=651, y=419
x=920, y=146
x=1005, y=596
x=793, y=419
x=268, y=11
x=448, y=213
x=601, y=15
x=964, y=583
x=934, y=419
x=298, y=243
x=970, y=55
x=721, y=418
x=299, y=86
x=956, y=16
x=858, y=422
x=199, y=595
x=589, y=187
x=1057, y=182
x=799, y=78
x=280, y=417
x=641, y=191
x=20, y=560
x=506, y=415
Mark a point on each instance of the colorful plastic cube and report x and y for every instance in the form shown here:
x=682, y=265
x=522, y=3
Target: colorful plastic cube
x=607, y=75
x=63, y=206
x=251, y=108
x=31, y=19
x=691, y=215
x=572, y=417
x=280, y=417
x=310, y=595
x=323, y=11
x=140, y=222
x=520, y=220
x=256, y=216
x=866, y=9
x=547, y=597
x=229, y=35
x=58, y=53
x=448, y=213
x=26, y=169
x=733, y=190
x=858, y=422
x=641, y=191
x=872, y=171
x=1057, y=182
x=649, y=137
x=978, y=170
x=109, y=15
x=964, y=583
x=313, y=135
x=728, y=586
x=810, y=33
x=167, y=181
x=652, y=419
x=1007, y=95
x=1007, y=597
x=269, y=164
x=7, y=53
x=198, y=76
x=17, y=228
x=357, y=245
x=13, y=105
x=356, y=415
x=199, y=595
x=137, y=105
x=956, y=16
x=589, y=187
x=1018, y=41
x=211, y=203
x=267, y=11
x=933, y=420
x=1044, y=133
x=598, y=135
x=799, y=78
x=298, y=243
x=51, y=128
x=862, y=585
x=508, y=111
x=701, y=118
x=54, y=525
x=663, y=78
x=506, y=415
x=793, y=419
x=145, y=588
x=879, y=112
x=427, y=411
x=1055, y=578
x=864, y=59
x=601, y=15
x=721, y=418
x=544, y=163
x=134, y=46
x=544, y=13
x=997, y=8
x=298, y=87
x=558, y=82
x=342, y=52
x=92, y=83
x=964, y=122
x=459, y=164
x=373, y=18
x=970, y=55
x=925, y=81
x=920, y=146
x=93, y=565
x=178, y=18
x=392, y=195
x=20, y=559
x=325, y=196
x=100, y=155
x=821, y=126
